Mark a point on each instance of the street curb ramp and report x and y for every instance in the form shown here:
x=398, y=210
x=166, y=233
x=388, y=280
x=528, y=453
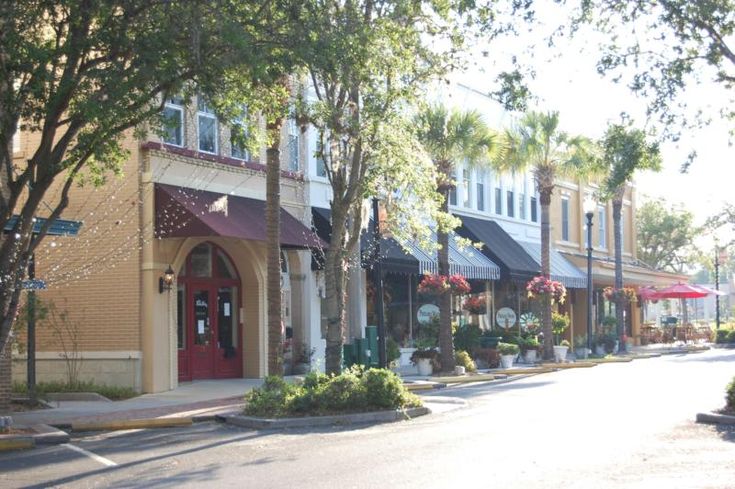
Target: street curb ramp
x=715, y=418
x=319, y=421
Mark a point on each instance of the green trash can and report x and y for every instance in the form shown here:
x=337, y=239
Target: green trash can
x=371, y=335
x=361, y=347
x=348, y=355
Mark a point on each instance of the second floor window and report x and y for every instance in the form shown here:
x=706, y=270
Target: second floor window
x=321, y=166
x=293, y=141
x=565, y=219
x=206, y=127
x=480, y=196
x=602, y=226
x=466, y=188
x=498, y=201
x=511, y=204
x=173, y=118
x=534, y=210
x=453, y=196
x=237, y=147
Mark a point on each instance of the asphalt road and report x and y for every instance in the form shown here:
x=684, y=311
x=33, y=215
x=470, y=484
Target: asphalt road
x=624, y=425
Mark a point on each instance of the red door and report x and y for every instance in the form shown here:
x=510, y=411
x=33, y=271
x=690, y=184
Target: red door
x=202, y=330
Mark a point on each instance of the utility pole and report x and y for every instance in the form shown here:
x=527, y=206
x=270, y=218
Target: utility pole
x=717, y=288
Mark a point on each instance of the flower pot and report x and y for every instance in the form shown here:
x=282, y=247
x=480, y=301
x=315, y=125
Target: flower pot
x=459, y=370
x=600, y=350
x=301, y=368
x=581, y=353
x=506, y=361
x=560, y=353
x=405, y=359
x=424, y=366
x=530, y=356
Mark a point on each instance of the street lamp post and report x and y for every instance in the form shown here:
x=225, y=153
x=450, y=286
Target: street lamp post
x=589, y=206
x=720, y=258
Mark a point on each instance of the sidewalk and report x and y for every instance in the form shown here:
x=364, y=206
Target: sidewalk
x=199, y=398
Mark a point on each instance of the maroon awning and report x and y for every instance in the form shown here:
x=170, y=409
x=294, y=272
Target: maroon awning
x=183, y=213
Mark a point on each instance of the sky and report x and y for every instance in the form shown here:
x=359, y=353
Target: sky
x=566, y=80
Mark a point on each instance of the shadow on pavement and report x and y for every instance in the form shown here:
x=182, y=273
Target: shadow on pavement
x=200, y=476
x=483, y=389
x=726, y=432
x=729, y=357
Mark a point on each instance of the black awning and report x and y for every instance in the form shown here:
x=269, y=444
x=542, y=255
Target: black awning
x=515, y=263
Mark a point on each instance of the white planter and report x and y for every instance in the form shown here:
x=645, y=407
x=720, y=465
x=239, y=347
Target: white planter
x=506, y=361
x=459, y=370
x=530, y=356
x=424, y=366
x=581, y=353
x=405, y=358
x=560, y=353
x=600, y=350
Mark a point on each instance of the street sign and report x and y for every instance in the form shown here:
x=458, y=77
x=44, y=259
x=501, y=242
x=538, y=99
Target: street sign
x=34, y=284
x=505, y=317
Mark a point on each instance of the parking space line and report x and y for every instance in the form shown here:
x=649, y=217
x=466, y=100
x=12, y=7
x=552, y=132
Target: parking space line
x=104, y=461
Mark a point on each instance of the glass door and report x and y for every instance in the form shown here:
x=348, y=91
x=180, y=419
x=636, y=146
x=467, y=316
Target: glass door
x=202, y=331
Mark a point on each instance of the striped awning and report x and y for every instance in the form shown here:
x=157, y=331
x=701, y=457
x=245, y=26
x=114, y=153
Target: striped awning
x=562, y=269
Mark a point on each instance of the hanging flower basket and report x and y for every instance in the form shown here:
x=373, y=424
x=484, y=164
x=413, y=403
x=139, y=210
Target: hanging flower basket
x=475, y=305
x=433, y=284
x=541, y=286
x=459, y=284
x=625, y=294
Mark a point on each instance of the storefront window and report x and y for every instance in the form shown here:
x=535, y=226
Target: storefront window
x=201, y=261
x=227, y=318
x=181, y=317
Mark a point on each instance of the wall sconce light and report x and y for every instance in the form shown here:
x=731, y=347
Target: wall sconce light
x=165, y=282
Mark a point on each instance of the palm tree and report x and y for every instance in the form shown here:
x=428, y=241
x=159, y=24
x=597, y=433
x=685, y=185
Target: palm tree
x=624, y=150
x=537, y=143
x=449, y=137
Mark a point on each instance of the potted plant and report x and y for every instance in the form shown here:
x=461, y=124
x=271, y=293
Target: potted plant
x=475, y=305
x=302, y=355
x=580, y=347
x=529, y=346
x=425, y=359
x=508, y=353
x=490, y=339
x=560, y=351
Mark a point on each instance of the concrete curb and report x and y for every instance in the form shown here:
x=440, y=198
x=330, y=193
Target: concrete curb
x=75, y=396
x=525, y=371
x=132, y=424
x=599, y=361
x=563, y=366
x=424, y=386
x=466, y=378
x=317, y=421
x=714, y=418
x=16, y=443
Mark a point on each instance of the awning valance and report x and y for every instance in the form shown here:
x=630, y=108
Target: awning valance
x=184, y=212
x=411, y=258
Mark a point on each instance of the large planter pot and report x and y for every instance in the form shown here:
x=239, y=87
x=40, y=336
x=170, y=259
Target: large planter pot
x=581, y=353
x=600, y=350
x=506, y=361
x=489, y=341
x=530, y=356
x=560, y=353
x=405, y=358
x=424, y=366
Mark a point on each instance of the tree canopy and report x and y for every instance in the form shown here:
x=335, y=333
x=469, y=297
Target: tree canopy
x=665, y=237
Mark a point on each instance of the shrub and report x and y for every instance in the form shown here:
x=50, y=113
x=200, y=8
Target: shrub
x=508, y=349
x=392, y=350
x=355, y=390
x=463, y=359
x=112, y=392
x=467, y=337
x=528, y=343
x=730, y=397
x=731, y=336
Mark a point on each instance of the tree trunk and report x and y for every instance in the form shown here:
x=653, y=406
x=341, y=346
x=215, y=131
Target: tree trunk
x=335, y=278
x=618, y=238
x=273, y=244
x=545, y=200
x=446, y=343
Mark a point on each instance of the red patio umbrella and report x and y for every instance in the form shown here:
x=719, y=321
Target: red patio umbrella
x=710, y=291
x=680, y=291
x=648, y=293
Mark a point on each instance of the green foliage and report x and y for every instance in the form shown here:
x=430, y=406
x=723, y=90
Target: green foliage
x=508, y=349
x=559, y=323
x=665, y=236
x=392, y=350
x=467, y=337
x=354, y=390
x=723, y=336
x=462, y=358
x=730, y=397
x=565, y=343
x=625, y=150
x=111, y=392
x=528, y=343
x=609, y=322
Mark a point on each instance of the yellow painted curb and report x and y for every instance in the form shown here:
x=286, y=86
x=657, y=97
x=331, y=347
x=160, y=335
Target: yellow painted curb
x=419, y=387
x=578, y=364
x=464, y=379
x=132, y=424
x=16, y=444
x=524, y=371
x=606, y=360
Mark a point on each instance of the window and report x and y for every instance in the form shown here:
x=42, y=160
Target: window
x=292, y=141
x=498, y=201
x=321, y=166
x=522, y=206
x=565, y=219
x=201, y=261
x=534, y=210
x=180, y=317
x=453, y=196
x=173, y=121
x=602, y=226
x=16, y=138
x=511, y=204
x=466, y=188
x=480, y=196
x=237, y=148
x=206, y=127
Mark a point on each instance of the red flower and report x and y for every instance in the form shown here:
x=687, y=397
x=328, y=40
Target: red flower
x=540, y=286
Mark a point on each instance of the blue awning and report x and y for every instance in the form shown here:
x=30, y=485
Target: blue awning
x=465, y=260
x=562, y=269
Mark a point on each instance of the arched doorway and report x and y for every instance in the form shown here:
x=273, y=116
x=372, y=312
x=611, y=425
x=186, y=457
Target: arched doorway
x=209, y=330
